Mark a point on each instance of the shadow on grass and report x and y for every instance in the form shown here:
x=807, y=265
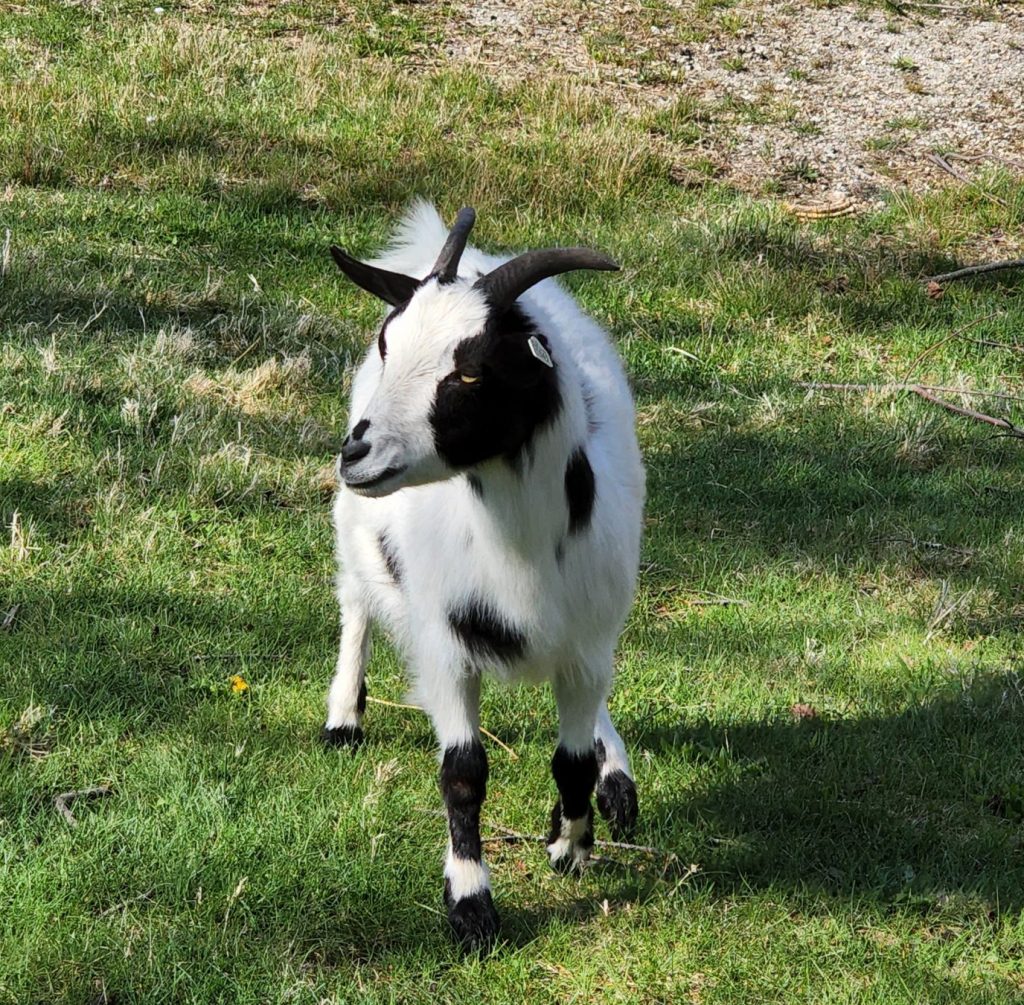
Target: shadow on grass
x=913, y=809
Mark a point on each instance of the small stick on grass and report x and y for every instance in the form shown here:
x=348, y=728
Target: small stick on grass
x=941, y=162
x=922, y=391
x=63, y=801
x=976, y=270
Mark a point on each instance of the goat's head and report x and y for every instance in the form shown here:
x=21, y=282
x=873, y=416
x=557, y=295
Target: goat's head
x=465, y=375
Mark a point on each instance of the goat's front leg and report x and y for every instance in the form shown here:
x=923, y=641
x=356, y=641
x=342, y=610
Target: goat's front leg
x=455, y=710
x=346, y=700
x=575, y=769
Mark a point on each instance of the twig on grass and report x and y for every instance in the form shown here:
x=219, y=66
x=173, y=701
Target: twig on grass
x=928, y=350
x=900, y=386
x=941, y=162
x=63, y=801
x=8, y=619
x=1009, y=429
x=510, y=836
x=416, y=708
x=975, y=270
x=145, y=895
x=925, y=392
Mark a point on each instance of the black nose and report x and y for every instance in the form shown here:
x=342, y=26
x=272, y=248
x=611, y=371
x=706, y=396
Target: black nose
x=354, y=450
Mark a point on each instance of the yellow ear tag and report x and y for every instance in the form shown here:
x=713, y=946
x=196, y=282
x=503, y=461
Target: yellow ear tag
x=466, y=379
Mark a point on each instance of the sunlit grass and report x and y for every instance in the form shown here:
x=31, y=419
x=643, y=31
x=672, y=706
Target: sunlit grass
x=174, y=352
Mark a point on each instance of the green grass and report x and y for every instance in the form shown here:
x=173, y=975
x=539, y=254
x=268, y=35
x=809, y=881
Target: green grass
x=174, y=350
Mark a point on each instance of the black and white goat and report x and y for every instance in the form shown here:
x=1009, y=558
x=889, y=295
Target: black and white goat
x=490, y=518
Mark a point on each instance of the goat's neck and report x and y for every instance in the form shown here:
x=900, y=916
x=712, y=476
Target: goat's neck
x=523, y=504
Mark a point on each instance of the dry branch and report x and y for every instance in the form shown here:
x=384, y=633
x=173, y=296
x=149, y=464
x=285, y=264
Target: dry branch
x=926, y=392
x=975, y=270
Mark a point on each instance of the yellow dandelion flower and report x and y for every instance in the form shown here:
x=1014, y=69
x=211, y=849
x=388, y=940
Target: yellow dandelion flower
x=238, y=683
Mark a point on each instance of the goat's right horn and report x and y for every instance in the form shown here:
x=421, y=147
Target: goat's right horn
x=505, y=284
x=446, y=267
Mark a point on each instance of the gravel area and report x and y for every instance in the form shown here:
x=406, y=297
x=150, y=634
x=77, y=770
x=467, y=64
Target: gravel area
x=828, y=102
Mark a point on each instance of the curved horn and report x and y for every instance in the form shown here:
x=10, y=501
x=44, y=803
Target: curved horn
x=391, y=287
x=447, y=265
x=503, y=285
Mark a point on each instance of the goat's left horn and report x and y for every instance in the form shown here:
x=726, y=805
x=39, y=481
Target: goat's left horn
x=505, y=284
x=447, y=265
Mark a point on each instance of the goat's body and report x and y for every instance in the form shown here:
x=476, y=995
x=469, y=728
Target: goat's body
x=524, y=567
x=508, y=540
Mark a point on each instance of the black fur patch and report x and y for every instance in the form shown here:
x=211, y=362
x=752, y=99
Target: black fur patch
x=575, y=775
x=579, y=490
x=560, y=552
x=474, y=920
x=387, y=552
x=483, y=631
x=498, y=414
x=360, y=427
x=616, y=800
x=343, y=736
x=464, y=787
x=476, y=485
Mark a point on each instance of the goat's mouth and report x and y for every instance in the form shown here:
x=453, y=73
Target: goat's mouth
x=367, y=485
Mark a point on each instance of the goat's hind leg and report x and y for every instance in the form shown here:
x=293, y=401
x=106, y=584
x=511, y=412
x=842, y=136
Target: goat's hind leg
x=346, y=700
x=616, y=790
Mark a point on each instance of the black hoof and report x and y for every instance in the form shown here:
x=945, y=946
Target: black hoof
x=474, y=920
x=342, y=736
x=616, y=801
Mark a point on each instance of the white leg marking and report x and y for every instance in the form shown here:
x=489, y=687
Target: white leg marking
x=353, y=654
x=566, y=844
x=615, y=757
x=465, y=876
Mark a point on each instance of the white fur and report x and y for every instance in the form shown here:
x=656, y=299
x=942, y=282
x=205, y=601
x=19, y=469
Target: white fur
x=465, y=876
x=570, y=611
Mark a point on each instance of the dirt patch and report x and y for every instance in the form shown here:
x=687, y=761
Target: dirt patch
x=792, y=99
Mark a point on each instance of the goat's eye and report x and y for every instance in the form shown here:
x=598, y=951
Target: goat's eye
x=468, y=378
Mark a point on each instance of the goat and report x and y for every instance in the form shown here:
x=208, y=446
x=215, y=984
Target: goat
x=489, y=515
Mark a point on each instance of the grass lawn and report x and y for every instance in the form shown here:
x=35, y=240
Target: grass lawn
x=832, y=766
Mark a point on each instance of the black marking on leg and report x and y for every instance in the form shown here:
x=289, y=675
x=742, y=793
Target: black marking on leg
x=616, y=800
x=476, y=485
x=474, y=920
x=390, y=556
x=579, y=491
x=575, y=775
x=464, y=788
x=361, y=700
x=484, y=632
x=342, y=736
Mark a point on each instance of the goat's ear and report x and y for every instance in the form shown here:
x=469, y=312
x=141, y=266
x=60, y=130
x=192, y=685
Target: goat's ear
x=391, y=287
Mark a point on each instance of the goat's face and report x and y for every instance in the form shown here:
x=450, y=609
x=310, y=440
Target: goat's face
x=459, y=384
x=464, y=376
